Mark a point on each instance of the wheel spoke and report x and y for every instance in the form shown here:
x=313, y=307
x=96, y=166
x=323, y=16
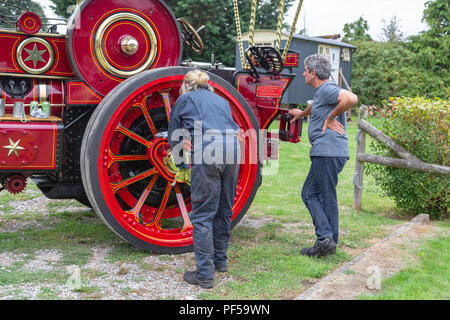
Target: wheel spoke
x=147, y=116
x=194, y=41
x=119, y=185
x=132, y=135
x=156, y=222
x=137, y=208
x=166, y=101
x=114, y=158
x=184, y=213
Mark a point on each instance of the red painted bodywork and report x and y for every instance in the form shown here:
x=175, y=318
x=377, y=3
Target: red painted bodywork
x=37, y=144
x=263, y=94
x=78, y=92
x=291, y=60
x=10, y=40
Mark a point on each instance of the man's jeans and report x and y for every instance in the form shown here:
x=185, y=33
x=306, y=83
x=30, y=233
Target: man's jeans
x=319, y=195
x=213, y=188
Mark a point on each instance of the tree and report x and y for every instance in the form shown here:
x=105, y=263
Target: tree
x=356, y=31
x=63, y=7
x=387, y=69
x=11, y=10
x=391, y=31
x=417, y=67
x=433, y=44
x=437, y=15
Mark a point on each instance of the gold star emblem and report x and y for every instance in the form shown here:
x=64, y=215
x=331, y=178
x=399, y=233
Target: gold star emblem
x=35, y=55
x=13, y=147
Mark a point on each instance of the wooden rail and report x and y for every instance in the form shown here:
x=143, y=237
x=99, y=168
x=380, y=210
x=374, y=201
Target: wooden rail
x=407, y=161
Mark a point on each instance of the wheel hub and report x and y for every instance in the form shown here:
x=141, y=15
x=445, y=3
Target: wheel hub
x=158, y=156
x=129, y=45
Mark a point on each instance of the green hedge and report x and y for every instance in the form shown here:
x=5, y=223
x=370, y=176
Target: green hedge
x=382, y=70
x=420, y=126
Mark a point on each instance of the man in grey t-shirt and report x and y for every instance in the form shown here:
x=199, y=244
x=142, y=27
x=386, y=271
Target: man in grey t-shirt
x=329, y=152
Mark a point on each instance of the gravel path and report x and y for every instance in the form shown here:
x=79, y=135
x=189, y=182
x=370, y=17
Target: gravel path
x=114, y=281
x=151, y=278
x=154, y=277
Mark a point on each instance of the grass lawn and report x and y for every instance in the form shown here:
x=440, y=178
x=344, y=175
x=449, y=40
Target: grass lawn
x=264, y=254
x=428, y=279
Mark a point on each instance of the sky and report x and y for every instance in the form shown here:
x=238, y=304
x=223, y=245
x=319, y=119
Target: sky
x=323, y=17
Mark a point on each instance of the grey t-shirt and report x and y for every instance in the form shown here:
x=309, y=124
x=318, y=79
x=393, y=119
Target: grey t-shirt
x=329, y=143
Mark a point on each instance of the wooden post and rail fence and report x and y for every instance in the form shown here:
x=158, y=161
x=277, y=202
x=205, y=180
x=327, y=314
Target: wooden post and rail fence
x=406, y=161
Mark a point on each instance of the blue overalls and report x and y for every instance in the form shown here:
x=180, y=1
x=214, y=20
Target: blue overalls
x=207, y=119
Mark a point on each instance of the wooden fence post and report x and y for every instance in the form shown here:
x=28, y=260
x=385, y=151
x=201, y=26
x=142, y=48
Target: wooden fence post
x=407, y=161
x=359, y=167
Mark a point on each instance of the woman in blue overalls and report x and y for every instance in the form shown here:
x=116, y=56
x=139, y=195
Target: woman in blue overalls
x=207, y=119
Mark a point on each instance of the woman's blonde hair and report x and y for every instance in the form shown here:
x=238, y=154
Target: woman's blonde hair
x=195, y=80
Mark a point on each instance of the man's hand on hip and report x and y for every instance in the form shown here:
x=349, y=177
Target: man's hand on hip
x=332, y=124
x=346, y=100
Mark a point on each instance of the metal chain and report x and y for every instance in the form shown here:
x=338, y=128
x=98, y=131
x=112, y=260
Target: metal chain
x=252, y=28
x=251, y=33
x=279, y=25
x=239, y=34
x=294, y=23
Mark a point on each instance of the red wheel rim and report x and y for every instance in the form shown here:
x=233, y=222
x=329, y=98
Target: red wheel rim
x=128, y=204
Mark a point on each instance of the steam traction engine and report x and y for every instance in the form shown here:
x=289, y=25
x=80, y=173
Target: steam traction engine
x=111, y=82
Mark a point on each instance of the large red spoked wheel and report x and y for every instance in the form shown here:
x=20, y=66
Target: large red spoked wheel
x=122, y=161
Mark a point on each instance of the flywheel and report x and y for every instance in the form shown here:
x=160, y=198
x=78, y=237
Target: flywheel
x=111, y=40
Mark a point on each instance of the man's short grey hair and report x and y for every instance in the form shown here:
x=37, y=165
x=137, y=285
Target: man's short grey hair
x=320, y=64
